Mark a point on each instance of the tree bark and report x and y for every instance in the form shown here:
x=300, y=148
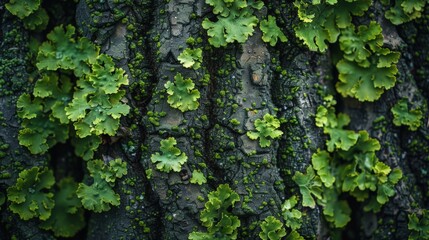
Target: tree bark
x=240, y=82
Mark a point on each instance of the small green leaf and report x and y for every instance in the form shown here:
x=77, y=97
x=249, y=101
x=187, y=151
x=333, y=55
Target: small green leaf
x=272, y=229
x=198, y=177
x=403, y=116
x=181, y=94
x=191, y=58
x=171, y=158
x=271, y=32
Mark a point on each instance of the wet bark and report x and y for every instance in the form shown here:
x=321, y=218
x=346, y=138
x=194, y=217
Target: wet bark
x=241, y=82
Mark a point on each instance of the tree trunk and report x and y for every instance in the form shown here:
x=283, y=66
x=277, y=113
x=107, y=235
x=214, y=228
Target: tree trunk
x=238, y=84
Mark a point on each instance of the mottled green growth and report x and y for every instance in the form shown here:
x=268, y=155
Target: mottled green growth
x=271, y=33
x=67, y=216
x=418, y=224
x=354, y=169
x=291, y=215
x=404, y=116
x=181, y=93
x=367, y=69
x=22, y=8
x=191, y=58
x=93, y=104
x=171, y=158
x=235, y=21
x=96, y=106
x=321, y=23
x=405, y=10
x=198, y=177
x=99, y=196
x=31, y=195
x=333, y=125
x=266, y=129
x=309, y=185
x=272, y=229
x=37, y=21
x=64, y=51
x=217, y=216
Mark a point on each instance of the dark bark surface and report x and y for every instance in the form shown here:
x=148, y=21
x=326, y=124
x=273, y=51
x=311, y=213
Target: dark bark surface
x=240, y=82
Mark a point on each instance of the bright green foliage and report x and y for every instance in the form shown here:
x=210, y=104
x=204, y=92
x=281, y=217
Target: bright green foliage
x=367, y=69
x=291, y=215
x=96, y=106
x=354, y=170
x=171, y=158
x=271, y=32
x=191, y=58
x=30, y=196
x=321, y=163
x=198, y=177
x=181, y=93
x=418, y=224
x=309, y=184
x=403, y=116
x=39, y=132
x=266, y=129
x=333, y=125
x=67, y=216
x=321, y=23
x=272, y=229
x=92, y=104
x=235, y=21
x=217, y=218
x=22, y=8
x=99, y=195
x=64, y=51
x=405, y=11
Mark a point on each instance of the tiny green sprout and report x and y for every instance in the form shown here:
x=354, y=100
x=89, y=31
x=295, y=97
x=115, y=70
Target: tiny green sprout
x=403, y=116
x=265, y=128
x=291, y=215
x=271, y=33
x=181, y=94
x=191, y=58
x=198, y=177
x=171, y=158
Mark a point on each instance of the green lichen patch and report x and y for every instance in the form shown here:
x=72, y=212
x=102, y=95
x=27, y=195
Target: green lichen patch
x=99, y=196
x=198, y=177
x=266, y=129
x=181, y=93
x=67, y=216
x=322, y=22
x=272, y=229
x=191, y=58
x=92, y=104
x=171, y=158
x=271, y=33
x=404, y=116
x=31, y=195
x=351, y=169
x=405, y=10
x=22, y=8
x=235, y=21
x=217, y=216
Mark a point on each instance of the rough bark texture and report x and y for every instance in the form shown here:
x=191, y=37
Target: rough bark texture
x=145, y=38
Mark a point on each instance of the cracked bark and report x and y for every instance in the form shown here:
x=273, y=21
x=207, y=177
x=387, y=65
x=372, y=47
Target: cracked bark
x=244, y=84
